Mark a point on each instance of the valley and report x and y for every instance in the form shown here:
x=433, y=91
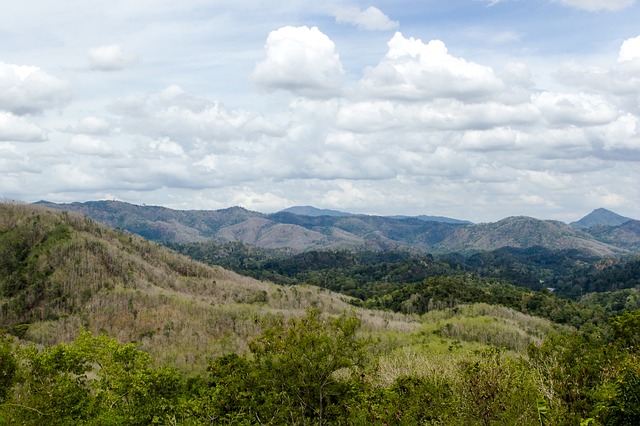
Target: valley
x=103, y=326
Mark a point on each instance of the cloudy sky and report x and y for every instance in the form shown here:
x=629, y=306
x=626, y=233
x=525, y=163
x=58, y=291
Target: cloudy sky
x=472, y=109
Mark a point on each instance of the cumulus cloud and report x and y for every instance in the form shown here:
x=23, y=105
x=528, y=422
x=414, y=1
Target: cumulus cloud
x=191, y=121
x=596, y=5
x=110, y=58
x=28, y=89
x=629, y=50
x=413, y=70
x=301, y=60
x=370, y=18
x=621, y=81
x=562, y=109
x=17, y=129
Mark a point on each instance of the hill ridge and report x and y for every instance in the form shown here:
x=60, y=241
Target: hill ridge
x=288, y=230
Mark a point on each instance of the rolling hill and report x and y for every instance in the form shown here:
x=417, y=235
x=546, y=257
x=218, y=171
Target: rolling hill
x=62, y=273
x=523, y=232
x=316, y=231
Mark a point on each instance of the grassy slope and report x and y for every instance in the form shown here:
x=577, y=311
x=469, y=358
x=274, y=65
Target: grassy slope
x=62, y=273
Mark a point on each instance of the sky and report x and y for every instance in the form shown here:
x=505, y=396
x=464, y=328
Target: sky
x=470, y=109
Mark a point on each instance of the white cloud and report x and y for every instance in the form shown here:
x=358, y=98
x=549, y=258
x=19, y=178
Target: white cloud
x=622, y=134
x=91, y=125
x=28, y=89
x=412, y=70
x=370, y=18
x=17, y=129
x=194, y=123
x=86, y=145
x=596, y=5
x=629, y=50
x=301, y=60
x=561, y=109
x=620, y=83
x=110, y=58
x=412, y=127
x=445, y=115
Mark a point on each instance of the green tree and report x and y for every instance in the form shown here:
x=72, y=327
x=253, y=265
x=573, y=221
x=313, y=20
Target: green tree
x=292, y=375
x=7, y=369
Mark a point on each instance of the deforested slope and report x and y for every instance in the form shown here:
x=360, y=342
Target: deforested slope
x=61, y=272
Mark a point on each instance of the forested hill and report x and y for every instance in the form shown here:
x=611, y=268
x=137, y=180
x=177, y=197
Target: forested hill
x=61, y=272
x=298, y=232
x=171, y=341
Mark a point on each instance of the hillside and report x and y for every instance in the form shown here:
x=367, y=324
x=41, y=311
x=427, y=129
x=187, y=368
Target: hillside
x=61, y=273
x=523, y=232
x=626, y=235
x=250, y=352
x=302, y=232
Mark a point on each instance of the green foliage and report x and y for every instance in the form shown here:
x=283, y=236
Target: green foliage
x=293, y=374
x=409, y=400
x=626, y=329
x=497, y=390
x=620, y=397
x=94, y=380
x=8, y=366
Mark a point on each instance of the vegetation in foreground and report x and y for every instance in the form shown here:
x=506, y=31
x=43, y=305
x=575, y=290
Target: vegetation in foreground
x=171, y=341
x=320, y=370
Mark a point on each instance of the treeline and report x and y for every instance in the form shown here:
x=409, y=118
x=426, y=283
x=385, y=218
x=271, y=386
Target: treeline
x=556, y=285
x=319, y=370
x=570, y=273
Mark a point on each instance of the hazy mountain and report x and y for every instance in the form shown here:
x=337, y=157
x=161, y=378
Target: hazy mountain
x=626, y=236
x=442, y=219
x=523, y=232
x=277, y=230
x=304, y=232
x=159, y=223
x=313, y=211
x=600, y=217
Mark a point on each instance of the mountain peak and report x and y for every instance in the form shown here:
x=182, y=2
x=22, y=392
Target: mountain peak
x=600, y=216
x=314, y=211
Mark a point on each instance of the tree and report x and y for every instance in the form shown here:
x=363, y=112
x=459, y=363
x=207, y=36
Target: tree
x=291, y=377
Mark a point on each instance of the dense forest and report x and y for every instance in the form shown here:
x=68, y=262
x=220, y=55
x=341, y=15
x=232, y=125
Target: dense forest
x=105, y=328
x=568, y=286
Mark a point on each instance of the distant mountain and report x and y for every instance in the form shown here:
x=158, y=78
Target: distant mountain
x=523, y=232
x=288, y=230
x=626, y=236
x=442, y=219
x=313, y=211
x=278, y=230
x=159, y=223
x=600, y=217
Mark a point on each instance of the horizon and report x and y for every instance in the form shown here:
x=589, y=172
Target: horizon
x=468, y=109
x=320, y=208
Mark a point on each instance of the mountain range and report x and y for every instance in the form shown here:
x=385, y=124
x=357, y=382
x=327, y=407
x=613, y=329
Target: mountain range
x=307, y=228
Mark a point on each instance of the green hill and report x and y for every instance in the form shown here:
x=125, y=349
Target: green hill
x=62, y=273
x=126, y=332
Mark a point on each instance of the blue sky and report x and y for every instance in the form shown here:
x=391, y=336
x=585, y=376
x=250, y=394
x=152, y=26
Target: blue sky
x=464, y=108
